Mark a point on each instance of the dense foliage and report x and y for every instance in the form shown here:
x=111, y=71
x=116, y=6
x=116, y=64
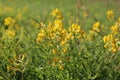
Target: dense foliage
x=79, y=44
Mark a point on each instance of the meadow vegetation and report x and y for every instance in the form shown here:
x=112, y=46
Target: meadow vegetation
x=59, y=40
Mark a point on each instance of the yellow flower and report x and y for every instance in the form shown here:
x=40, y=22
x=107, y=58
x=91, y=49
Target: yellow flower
x=69, y=36
x=75, y=29
x=57, y=13
x=58, y=23
x=115, y=29
x=114, y=49
x=61, y=67
x=108, y=38
x=110, y=15
x=96, y=26
x=63, y=42
x=55, y=28
x=111, y=43
x=38, y=40
x=105, y=39
x=63, y=31
x=106, y=46
x=41, y=35
x=8, y=21
x=10, y=33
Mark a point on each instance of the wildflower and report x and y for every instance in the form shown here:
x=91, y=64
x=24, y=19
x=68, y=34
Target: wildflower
x=61, y=67
x=96, y=26
x=69, y=36
x=63, y=32
x=114, y=49
x=111, y=42
x=58, y=23
x=105, y=39
x=75, y=29
x=110, y=15
x=82, y=34
x=106, y=46
x=63, y=42
x=8, y=21
x=115, y=29
x=10, y=33
x=57, y=13
x=38, y=40
x=108, y=38
x=56, y=28
x=41, y=35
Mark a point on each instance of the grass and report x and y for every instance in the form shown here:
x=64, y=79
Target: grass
x=53, y=40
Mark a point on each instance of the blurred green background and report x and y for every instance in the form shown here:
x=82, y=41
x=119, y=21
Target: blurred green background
x=41, y=9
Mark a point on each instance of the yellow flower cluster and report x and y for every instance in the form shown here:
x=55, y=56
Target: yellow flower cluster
x=55, y=31
x=57, y=36
x=40, y=36
x=115, y=29
x=10, y=33
x=110, y=15
x=111, y=40
x=96, y=27
x=57, y=13
x=75, y=29
x=8, y=21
